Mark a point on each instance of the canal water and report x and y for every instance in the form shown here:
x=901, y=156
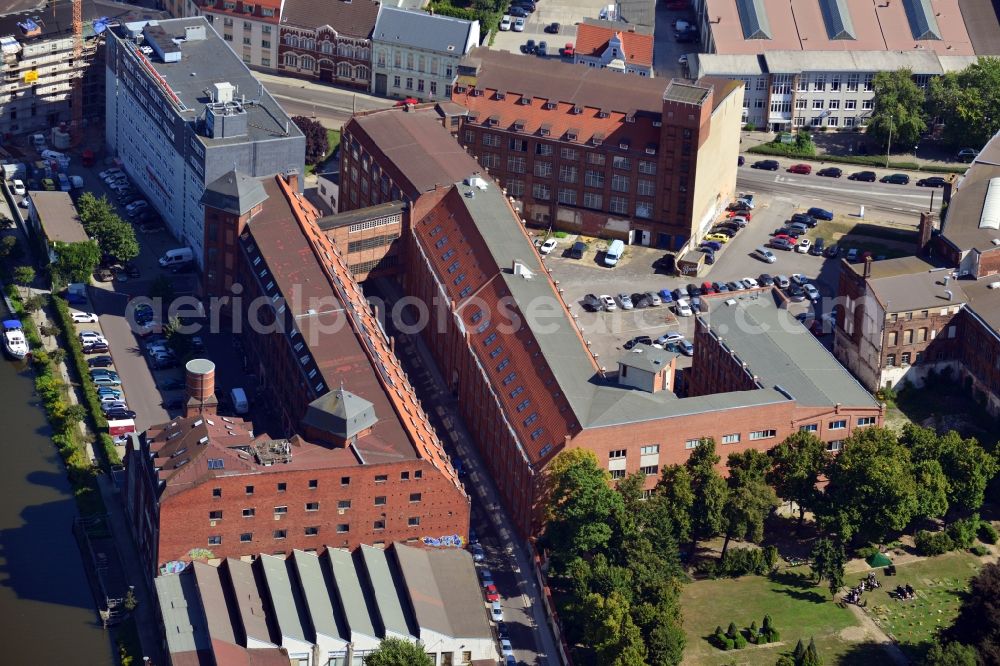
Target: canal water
x=47, y=612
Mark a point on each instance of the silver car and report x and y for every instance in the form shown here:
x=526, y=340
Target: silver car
x=626, y=301
x=654, y=298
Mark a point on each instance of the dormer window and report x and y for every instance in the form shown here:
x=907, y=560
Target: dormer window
x=493, y=121
x=630, y=117
x=598, y=139
x=519, y=124
x=651, y=148
x=460, y=89
x=623, y=145
x=550, y=105
x=501, y=95
x=572, y=133
x=475, y=92
x=525, y=101
x=545, y=129
x=577, y=110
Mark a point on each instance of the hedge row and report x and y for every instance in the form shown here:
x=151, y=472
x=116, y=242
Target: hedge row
x=61, y=416
x=90, y=398
x=790, y=150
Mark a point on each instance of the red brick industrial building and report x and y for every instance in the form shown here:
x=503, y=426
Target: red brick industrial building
x=589, y=150
x=528, y=386
x=357, y=461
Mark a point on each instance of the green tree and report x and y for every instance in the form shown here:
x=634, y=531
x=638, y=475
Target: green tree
x=898, y=109
x=662, y=632
x=932, y=489
x=749, y=499
x=675, y=498
x=583, y=509
x=94, y=211
x=9, y=248
x=978, y=621
x=967, y=466
x=796, y=465
x=74, y=414
x=317, y=143
x=398, y=652
x=827, y=562
x=75, y=262
x=811, y=656
x=967, y=103
x=951, y=654
x=708, y=489
x=872, y=491
x=24, y=276
x=116, y=239
x=179, y=342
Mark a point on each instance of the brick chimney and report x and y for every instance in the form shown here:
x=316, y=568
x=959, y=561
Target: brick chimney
x=925, y=230
x=199, y=387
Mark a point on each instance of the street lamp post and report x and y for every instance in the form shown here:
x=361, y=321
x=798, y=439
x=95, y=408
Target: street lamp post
x=888, y=147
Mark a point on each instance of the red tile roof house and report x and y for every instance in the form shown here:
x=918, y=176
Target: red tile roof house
x=611, y=45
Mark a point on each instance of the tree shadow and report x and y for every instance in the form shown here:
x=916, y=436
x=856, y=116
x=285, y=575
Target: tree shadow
x=813, y=597
x=863, y=653
x=798, y=580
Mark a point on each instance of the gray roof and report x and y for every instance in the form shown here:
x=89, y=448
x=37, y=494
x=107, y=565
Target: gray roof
x=922, y=61
x=421, y=30
x=837, y=18
x=920, y=16
x=444, y=590
x=596, y=402
x=318, y=595
x=386, y=594
x=213, y=599
x=347, y=218
x=753, y=19
x=341, y=413
x=961, y=223
x=646, y=357
x=206, y=62
x=234, y=192
x=283, y=598
x=349, y=592
x=782, y=353
x=716, y=64
x=184, y=621
x=638, y=12
x=922, y=288
x=59, y=219
x=249, y=605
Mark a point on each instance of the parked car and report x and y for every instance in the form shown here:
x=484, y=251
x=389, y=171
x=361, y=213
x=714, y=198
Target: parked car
x=103, y=372
x=802, y=247
x=804, y=219
x=496, y=612
x=804, y=169
x=17, y=186
x=817, y=247
x=91, y=336
x=766, y=165
x=106, y=381
x=505, y=22
x=109, y=398
x=764, y=255
x=609, y=303
x=720, y=287
x=933, y=181
x=864, y=176
x=781, y=243
x=552, y=28
x=528, y=47
x=735, y=286
x=782, y=281
x=654, y=298
x=715, y=246
x=832, y=251
x=109, y=405
x=740, y=220
x=830, y=172
x=547, y=246
x=718, y=238
x=640, y=300
x=478, y=554
x=852, y=254
x=542, y=49
x=638, y=340
x=820, y=213
x=568, y=50
x=693, y=290
x=505, y=648
x=94, y=347
x=895, y=179
x=626, y=301
x=790, y=231
x=84, y=318
x=683, y=308
x=749, y=283
x=766, y=280
x=592, y=303
x=577, y=251
x=796, y=293
x=118, y=414
x=967, y=154
x=666, y=297
x=812, y=293
x=100, y=362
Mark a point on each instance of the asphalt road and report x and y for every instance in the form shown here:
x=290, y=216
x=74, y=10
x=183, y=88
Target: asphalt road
x=814, y=190
x=330, y=105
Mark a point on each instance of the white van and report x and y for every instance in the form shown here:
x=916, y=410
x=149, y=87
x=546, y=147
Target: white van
x=239, y=398
x=176, y=257
x=614, y=253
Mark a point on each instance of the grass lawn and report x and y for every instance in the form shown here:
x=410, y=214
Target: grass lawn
x=938, y=582
x=945, y=406
x=798, y=608
x=333, y=140
x=848, y=233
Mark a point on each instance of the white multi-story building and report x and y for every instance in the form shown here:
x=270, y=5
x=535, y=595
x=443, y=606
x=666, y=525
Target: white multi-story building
x=416, y=54
x=791, y=89
x=182, y=111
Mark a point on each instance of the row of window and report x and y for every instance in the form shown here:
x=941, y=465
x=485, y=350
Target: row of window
x=313, y=484
x=308, y=63
x=342, y=505
x=327, y=47
x=414, y=63
x=782, y=84
x=342, y=528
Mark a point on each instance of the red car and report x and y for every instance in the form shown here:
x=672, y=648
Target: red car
x=800, y=168
x=786, y=237
x=741, y=213
x=707, y=288
x=492, y=594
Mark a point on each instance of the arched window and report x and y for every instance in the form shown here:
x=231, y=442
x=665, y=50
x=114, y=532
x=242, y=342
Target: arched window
x=344, y=69
x=327, y=47
x=310, y=44
x=308, y=63
x=342, y=49
x=363, y=53
x=291, y=60
x=361, y=73
x=292, y=40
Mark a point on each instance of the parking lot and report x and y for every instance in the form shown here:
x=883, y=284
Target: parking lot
x=638, y=272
